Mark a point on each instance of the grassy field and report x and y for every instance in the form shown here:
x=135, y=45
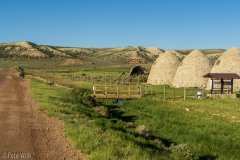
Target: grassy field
x=146, y=128
x=98, y=136
x=208, y=127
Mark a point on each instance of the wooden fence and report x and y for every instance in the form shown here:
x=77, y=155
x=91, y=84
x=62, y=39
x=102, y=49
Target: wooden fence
x=117, y=91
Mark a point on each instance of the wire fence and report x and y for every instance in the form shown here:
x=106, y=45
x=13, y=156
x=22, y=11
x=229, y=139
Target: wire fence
x=162, y=91
x=169, y=93
x=107, y=80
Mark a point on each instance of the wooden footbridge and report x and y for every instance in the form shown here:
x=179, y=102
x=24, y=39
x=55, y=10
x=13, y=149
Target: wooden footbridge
x=117, y=91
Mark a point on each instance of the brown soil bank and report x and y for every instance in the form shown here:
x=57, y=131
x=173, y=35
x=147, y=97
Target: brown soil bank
x=26, y=133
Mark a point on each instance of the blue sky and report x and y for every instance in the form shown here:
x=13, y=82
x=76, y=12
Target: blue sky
x=167, y=24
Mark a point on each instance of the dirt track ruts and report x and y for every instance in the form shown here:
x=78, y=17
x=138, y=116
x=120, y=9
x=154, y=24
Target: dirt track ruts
x=25, y=132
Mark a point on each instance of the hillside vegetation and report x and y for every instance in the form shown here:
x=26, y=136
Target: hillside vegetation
x=94, y=55
x=123, y=55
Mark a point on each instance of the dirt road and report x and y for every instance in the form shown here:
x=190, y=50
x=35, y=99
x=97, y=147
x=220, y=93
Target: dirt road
x=25, y=132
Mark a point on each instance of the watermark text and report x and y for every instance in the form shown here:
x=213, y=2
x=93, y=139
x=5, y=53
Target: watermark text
x=16, y=155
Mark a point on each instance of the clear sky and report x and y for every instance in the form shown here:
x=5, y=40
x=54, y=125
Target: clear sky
x=167, y=24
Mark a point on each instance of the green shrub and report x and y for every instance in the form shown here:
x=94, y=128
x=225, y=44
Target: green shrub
x=82, y=95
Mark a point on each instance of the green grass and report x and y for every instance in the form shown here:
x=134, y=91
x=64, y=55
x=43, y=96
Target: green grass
x=210, y=129
x=99, y=137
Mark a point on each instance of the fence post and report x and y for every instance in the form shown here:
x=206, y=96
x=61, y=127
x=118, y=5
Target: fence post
x=106, y=91
x=94, y=90
x=129, y=90
x=117, y=92
x=184, y=94
x=174, y=94
x=140, y=90
x=146, y=89
x=151, y=89
x=164, y=91
x=110, y=80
